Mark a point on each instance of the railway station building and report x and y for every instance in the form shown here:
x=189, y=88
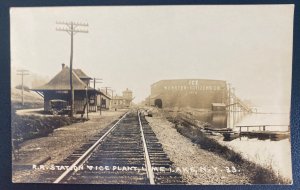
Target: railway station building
x=194, y=93
x=59, y=88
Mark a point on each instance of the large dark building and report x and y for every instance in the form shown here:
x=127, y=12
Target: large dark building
x=194, y=93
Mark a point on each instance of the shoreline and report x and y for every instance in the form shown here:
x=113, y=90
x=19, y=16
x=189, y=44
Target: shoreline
x=185, y=153
x=205, y=142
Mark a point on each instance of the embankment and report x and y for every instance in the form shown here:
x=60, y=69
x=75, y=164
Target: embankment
x=27, y=127
x=256, y=173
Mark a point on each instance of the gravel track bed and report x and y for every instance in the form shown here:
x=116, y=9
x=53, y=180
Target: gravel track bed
x=187, y=155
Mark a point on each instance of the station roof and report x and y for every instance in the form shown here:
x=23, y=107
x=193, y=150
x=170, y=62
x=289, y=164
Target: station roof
x=61, y=81
x=81, y=74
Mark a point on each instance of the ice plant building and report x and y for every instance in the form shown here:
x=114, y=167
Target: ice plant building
x=194, y=93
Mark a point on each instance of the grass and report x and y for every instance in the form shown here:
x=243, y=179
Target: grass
x=27, y=127
x=30, y=126
x=257, y=173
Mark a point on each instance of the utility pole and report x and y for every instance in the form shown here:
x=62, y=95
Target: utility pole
x=234, y=106
x=112, y=96
x=99, y=81
x=106, y=88
x=22, y=72
x=112, y=93
x=87, y=102
x=229, y=95
x=234, y=99
x=72, y=28
x=96, y=80
x=229, y=106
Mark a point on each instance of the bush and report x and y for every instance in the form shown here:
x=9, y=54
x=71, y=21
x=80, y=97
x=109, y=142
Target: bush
x=29, y=127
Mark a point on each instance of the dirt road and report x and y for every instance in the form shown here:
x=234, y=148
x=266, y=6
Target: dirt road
x=60, y=144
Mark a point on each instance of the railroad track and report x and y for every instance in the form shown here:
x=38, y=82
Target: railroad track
x=126, y=153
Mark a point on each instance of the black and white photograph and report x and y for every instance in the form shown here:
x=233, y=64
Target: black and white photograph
x=151, y=95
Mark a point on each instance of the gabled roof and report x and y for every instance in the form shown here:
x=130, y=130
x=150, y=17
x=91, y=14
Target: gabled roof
x=81, y=74
x=61, y=81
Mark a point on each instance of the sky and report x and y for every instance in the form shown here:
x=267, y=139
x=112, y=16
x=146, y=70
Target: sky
x=249, y=46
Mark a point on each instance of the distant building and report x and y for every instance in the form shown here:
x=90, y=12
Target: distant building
x=59, y=88
x=194, y=93
x=123, y=101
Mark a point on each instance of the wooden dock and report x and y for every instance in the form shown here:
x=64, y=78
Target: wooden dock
x=229, y=134
x=261, y=133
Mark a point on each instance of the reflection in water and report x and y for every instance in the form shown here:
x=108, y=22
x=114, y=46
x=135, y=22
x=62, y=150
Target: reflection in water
x=223, y=119
x=275, y=153
x=220, y=119
x=215, y=119
x=263, y=151
x=235, y=117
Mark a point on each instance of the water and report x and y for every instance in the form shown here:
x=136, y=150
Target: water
x=273, y=122
x=215, y=119
x=276, y=154
x=234, y=119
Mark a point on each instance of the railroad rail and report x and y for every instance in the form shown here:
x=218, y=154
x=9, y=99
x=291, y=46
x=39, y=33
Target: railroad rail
x=127, y=152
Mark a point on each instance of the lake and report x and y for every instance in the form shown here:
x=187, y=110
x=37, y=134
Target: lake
x=276, y=154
